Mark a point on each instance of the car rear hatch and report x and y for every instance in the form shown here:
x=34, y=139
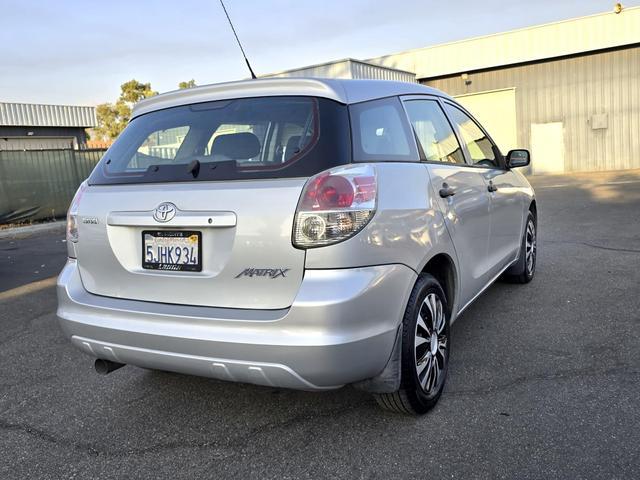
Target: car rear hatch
x=195, y=204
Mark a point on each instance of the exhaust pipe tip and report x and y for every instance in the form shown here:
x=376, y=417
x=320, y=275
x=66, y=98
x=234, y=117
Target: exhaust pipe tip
x=104, y=367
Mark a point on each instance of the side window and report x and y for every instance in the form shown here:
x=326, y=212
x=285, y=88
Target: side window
x=381, y=132
x=436, y=137
x=478, y=145
x=160, y=146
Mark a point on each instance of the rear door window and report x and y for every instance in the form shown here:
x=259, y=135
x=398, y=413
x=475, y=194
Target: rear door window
x=433, y=131
x=267, y=137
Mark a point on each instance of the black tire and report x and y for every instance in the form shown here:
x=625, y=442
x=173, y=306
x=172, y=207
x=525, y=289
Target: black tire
x=524, y=270
x=413, y=397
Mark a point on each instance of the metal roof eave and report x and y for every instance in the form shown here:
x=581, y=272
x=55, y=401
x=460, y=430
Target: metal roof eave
x=535, y=43
x=37, y=115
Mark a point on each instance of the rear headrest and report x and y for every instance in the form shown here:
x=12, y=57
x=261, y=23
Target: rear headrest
x=236, y=146
x=292, y=147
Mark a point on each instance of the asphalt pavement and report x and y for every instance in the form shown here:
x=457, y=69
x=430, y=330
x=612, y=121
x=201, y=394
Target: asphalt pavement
x=544, y=380
x=31, y=254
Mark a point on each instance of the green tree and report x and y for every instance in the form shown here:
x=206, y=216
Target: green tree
x=133, y=91
x=113, y=117
x=189, y=84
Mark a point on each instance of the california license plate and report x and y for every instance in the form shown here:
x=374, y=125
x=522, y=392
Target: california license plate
x=176, y=250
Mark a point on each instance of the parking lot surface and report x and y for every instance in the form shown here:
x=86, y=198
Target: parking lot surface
x=544, y=382
x=29, y=257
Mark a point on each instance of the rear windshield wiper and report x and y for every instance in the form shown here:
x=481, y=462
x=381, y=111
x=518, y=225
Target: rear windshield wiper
x=194, y=168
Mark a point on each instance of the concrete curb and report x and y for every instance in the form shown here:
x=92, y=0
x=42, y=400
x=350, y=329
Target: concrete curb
x=21, y=232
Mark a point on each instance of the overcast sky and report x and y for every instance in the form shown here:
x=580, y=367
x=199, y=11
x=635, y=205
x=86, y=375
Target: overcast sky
x=79, y=52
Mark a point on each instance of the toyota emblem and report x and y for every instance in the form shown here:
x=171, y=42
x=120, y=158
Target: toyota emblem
x=165, y=212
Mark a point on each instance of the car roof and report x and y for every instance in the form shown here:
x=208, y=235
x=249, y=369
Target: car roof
x=341, y=90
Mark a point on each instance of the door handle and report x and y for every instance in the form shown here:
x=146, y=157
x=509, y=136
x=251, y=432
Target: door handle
x=492, y=187
x=446, y=191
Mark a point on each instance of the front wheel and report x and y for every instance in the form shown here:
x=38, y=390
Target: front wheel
x=524, y=269
x=425, y=350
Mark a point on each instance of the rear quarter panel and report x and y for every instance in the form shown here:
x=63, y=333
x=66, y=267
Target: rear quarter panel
x=407, y=228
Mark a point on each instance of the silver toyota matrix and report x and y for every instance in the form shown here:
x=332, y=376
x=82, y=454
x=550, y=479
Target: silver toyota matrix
x=296, y=233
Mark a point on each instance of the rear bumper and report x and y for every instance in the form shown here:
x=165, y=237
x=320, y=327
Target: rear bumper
x=340, y=329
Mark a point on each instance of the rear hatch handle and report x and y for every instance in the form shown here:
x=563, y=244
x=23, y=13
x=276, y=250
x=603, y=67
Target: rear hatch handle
x=182, y=218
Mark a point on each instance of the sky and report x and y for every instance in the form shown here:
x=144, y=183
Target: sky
x=79, y=52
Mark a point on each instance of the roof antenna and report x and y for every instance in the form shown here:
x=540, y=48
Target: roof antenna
x=253, y=75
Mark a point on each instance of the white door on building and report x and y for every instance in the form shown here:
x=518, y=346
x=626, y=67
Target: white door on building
x=496, y=112
x=547, y=147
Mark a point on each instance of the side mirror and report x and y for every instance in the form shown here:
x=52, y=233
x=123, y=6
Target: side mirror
x=518, y=158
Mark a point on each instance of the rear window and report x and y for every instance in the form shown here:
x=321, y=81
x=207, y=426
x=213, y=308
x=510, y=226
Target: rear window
x=249, y=138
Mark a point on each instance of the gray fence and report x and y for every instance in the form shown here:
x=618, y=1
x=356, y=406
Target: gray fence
x=39, y=184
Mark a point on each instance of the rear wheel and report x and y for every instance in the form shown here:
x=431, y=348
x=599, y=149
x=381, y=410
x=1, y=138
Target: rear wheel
x=425, y=350
x=524, y=269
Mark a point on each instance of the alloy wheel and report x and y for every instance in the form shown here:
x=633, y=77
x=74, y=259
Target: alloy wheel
x=530, y=246
x=431, y=344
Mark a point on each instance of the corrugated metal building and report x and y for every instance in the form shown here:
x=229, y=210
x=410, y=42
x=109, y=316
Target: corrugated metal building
x=25, y=126
x=574, y=114
x=348, y=68
x=568, y=91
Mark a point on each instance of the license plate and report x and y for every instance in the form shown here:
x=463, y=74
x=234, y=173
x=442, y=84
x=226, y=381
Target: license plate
x=172, y=250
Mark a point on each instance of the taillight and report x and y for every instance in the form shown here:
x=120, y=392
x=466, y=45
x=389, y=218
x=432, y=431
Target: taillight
x=335, y=205
x=72, y=214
